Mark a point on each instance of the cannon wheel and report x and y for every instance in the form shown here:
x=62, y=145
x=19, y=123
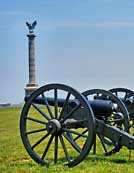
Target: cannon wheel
x=127, y=97
x=50, y=133
x=118, y=118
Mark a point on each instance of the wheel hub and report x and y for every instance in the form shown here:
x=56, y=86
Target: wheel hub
x=53, y=126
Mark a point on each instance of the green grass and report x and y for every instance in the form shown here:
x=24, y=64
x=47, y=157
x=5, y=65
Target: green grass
x=14, y=158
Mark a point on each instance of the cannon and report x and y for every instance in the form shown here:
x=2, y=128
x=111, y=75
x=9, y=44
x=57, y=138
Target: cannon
x=127, y=97
x=59, y=124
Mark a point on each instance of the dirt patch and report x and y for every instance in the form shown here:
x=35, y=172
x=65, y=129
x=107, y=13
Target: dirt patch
x=23, y=160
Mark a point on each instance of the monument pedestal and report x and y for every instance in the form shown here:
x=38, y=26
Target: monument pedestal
x=30, y=88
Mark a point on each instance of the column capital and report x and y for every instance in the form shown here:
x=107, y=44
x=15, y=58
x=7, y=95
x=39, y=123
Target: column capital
x=31, y=35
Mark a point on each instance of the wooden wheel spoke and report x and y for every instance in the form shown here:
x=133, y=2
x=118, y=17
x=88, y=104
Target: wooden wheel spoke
x=76, y=133
x=40, y=111
x=47, y=105
x=56, y=149
x=103, y=144
x=71, y=112
x=56, y=103
x=40, y=140
x=36, y=120
x=47, y=147
x=65, y=104
x=64, y=148
x=116, y=93
x=35, y=131
x=126, y=95
x=73, y=143
x=79, y=135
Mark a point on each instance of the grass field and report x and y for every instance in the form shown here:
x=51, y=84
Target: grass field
x=14, y=158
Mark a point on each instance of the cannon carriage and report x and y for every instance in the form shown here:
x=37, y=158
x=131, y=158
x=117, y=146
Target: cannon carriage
x=59, y=124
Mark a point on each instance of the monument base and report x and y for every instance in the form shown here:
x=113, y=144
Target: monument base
x=30, y=88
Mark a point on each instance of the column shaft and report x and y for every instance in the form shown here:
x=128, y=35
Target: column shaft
x=31, y=86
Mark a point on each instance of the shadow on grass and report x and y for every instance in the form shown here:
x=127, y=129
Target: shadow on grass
x=101, y=158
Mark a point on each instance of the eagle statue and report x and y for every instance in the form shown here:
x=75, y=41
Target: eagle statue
x=31, y=26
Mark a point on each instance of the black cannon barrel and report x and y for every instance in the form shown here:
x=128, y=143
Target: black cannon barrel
x=99, y=107
x=102, y=107
x=50, y=100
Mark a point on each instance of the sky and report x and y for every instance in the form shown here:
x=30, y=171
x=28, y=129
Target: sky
x=85, y=44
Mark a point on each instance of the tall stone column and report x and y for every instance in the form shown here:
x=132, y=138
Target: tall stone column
x=32, y=85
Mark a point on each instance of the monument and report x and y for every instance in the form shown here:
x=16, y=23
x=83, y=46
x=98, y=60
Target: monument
x=32, y=85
